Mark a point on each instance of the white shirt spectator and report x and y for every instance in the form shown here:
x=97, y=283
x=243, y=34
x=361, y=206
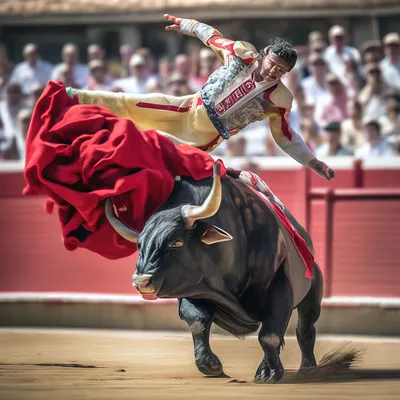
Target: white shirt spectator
x=134, y=85
x=80, y=73
x=29, y=78
x=382, y=148
x=391, y=73
x=313, y=92
x=335, y=60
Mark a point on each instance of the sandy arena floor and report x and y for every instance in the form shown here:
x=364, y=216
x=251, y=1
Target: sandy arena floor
x=61, y=364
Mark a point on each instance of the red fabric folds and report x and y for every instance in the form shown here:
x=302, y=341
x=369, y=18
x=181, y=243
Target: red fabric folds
x=79, y=155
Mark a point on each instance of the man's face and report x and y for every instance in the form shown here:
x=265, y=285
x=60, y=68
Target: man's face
x=273, y=67
x=318, y=68
x=31, y=57
x=371, y=133
x=337, y=41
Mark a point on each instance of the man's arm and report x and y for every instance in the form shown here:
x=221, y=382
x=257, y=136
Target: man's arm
x=293, y=144
x=211, y=37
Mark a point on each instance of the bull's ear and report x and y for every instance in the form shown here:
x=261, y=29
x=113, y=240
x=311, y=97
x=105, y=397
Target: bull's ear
x=213, y=235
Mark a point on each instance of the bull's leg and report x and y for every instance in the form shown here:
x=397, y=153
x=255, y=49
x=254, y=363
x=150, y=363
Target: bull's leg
x=309, y=310
x=199, y=316
x=277, y=310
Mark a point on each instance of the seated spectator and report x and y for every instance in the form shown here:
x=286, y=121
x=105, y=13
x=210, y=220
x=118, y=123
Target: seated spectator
x=375, y=144
x=66, y=75
x=371, y=52
x=336, y=54
x=183, y=66
x=309, y=132
x=98, y=76
x=177, y=85
x=371, y=96
x=390, y=65
x=6, y=68
x=314, y=86
x=390, y=121
x=33, y=71
x=165, y=68
x=70, y=57
x=140, y=80
x=95, y=52
x=9, y=109
x=207, y=60
x=333, y=106
x=332, y=145
x=316, y=42
x=125, y=53
x=353, y=127
x=34, y=95
x=353, y=78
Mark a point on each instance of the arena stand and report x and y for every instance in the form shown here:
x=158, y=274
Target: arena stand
x=354, y=221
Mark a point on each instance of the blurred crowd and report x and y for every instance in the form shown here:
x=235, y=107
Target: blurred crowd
x=346, y=99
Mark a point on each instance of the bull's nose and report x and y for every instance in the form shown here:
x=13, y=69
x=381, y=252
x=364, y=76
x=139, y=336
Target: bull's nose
x=140, y=280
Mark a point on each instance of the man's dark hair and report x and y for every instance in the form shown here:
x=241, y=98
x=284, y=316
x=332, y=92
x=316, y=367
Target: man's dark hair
x=284, y=50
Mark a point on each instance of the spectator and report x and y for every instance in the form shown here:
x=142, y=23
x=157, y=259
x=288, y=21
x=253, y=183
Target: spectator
x=371, y=52
x=375, y=144
x=333, y=107
x=70, y=56
x=314, y=86
x=337, y=52
x=98, y=76
x=34, y=94
x=332, y=145
x=390, y=121
x=9, y=109
x=353, y=77
x=139, y=81
x=164, y=69
x=66, y=75
x=183, y=66
x=390, y=65
x=6, y=68
x=371, y=96
x=207, y=61
x=353, y=128
x=177, y=85
x=309, y=131
x=126, y=53
x=33, y=71
x=151, y=63
x=95, y=52
x=316, y=42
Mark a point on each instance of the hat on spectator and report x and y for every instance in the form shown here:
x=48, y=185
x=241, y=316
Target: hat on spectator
x=137, y=59
x=391, y=38
x=334, y=126
x=96, y=64
x=337, y=30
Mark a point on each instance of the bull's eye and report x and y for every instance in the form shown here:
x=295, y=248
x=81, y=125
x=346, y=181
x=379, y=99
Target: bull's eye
x=177, y=243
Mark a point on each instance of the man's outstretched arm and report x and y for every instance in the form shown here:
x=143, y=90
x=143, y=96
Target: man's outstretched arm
x=211, y=37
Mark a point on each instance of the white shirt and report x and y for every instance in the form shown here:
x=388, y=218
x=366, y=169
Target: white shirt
x=30, y=77
x=382, y=148
x=391, y=73
x=134, y=85
x=313, y=92
x=335, y=61
x=80, y=74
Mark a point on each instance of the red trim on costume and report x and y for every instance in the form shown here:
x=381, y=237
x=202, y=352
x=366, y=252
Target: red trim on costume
x=268, y=93
x=285, y=125
x=209, y=144
x=143, y=104
x=224, y=44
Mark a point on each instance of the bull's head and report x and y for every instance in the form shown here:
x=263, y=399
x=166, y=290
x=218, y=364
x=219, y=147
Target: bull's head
x=172, y=237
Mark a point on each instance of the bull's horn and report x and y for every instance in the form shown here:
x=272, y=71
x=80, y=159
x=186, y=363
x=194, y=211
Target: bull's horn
x=120, y=228
x=210, y=206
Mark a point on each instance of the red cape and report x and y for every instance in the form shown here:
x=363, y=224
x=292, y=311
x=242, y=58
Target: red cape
x=79, y=155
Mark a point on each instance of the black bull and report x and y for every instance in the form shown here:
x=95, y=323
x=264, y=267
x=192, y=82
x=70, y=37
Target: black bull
x=238, y=282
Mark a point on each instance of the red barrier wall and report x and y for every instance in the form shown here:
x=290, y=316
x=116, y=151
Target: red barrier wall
x=356, y=244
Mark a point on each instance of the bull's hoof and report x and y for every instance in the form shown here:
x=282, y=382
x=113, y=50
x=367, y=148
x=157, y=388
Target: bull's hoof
x=210, y=365
x=266, y=375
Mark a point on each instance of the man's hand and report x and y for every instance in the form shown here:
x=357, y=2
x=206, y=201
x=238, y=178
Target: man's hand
x=321, y=169
x=174, y=21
